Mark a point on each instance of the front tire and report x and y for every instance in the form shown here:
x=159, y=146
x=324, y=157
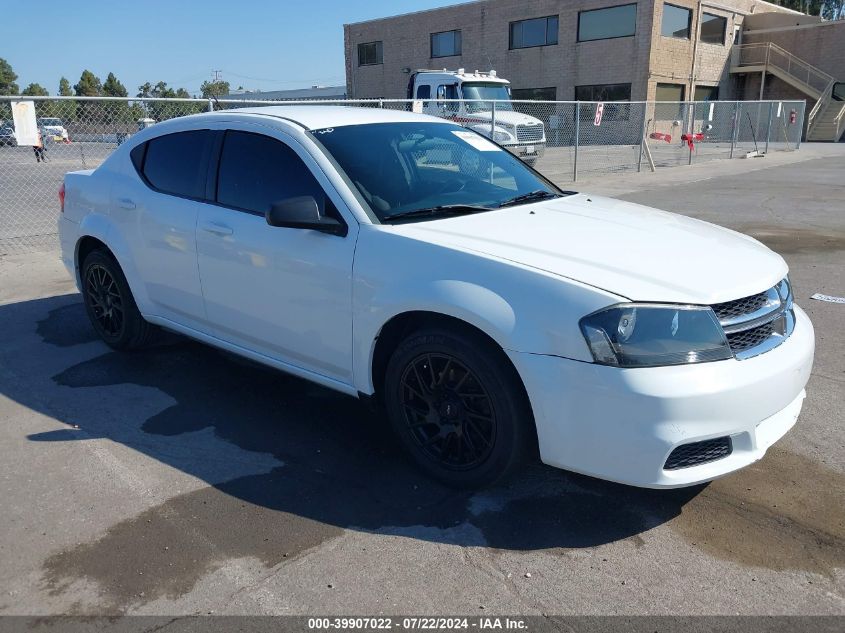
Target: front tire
x=458, y=407
x=110, y=305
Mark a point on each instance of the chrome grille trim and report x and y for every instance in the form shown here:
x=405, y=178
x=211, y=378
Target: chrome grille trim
x=751, y=308
x=757, y=324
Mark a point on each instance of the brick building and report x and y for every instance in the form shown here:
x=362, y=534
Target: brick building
x=560, y=49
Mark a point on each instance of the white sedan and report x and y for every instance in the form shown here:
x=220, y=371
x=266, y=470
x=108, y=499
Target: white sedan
x=403, y=258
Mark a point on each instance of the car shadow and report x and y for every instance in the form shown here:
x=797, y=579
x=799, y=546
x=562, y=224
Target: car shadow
x=287, y=446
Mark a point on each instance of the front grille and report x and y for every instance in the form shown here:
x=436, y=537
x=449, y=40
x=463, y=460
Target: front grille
x=746, y=339
x=756, y=324
x=739, y=307
x=529, y=133
x=699, y=453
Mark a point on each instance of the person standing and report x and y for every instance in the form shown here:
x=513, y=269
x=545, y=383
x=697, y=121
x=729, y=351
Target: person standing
x=40, y=149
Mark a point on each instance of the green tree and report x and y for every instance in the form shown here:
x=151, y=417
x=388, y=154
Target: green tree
x=42, y=108
x=214, y=89
x=7, y=79
x=64, y=87
x=160, y=110
x=828, y=9
x=35, y=90
x=65, y=109
x=89, y=85
x=116, y=111
x=90, y=112
x=113, y=88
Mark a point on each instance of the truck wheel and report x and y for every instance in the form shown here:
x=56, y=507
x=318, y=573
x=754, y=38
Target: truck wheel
x=458, y=407
x=110, y=305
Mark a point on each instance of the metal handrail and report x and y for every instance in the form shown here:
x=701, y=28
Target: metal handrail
x=821, y=103
x=793, y=65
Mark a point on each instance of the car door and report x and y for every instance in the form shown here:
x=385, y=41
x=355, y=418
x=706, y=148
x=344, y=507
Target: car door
x=282, y=292
x=159, y=214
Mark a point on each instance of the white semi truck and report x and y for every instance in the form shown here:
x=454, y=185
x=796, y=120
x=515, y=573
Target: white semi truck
x=467, y=98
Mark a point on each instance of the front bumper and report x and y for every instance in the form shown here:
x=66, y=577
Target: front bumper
x=622, y=424
x=530, y=151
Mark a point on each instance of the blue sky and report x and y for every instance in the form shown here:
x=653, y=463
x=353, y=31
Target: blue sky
x=260, y=44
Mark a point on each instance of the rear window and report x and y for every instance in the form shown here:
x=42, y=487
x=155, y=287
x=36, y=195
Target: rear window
x=176, y=163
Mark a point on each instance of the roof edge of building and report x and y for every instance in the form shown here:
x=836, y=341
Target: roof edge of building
x=403, y=15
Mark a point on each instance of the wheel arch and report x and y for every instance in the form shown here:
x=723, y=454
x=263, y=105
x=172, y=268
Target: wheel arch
x=401, y=325
x=96, y=232
x=394, y=331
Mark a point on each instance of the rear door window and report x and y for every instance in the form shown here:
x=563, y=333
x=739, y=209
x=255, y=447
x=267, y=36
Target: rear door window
x=177, y=163
x=257, y=171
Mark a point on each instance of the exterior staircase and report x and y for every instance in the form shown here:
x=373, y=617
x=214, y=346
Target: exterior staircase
x=826, y=120
x=830, y=123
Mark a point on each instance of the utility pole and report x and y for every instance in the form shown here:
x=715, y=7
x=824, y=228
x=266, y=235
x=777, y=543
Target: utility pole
x=216, y=75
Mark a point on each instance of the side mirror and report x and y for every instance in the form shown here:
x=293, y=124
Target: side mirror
x=303, y=212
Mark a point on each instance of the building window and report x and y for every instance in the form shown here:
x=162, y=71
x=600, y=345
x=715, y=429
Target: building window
x=536, y=32
x=670, y=92
x=603, y=92
x=446, y=44
x=605, y=24
x=706, y=93
x=676, y=21
x=534, y=94
x=370, y=54
x=713, y=28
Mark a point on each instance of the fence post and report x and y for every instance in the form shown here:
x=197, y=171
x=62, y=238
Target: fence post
x=769, y=127
x=577, y=132
x=691, y=122
x=735, y=128
x=642, y=136
x=800, y=124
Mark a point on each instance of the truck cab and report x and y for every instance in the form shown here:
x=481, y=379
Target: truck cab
x=468, y=99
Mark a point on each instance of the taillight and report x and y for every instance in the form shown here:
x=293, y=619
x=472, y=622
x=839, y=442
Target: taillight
x=62, y=197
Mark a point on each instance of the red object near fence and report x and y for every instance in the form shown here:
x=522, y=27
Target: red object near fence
x=660, y=136
x=690, y=139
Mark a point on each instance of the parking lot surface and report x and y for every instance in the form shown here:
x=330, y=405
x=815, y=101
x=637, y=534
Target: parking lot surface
x=182, y=480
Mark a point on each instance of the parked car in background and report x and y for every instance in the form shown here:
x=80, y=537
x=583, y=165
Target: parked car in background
x=7, y=135
x=53, y=128
x=407, y=259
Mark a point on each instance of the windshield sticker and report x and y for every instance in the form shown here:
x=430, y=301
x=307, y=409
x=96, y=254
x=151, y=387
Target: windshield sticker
x=477, y=141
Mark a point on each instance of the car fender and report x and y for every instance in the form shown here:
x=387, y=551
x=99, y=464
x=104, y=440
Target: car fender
x=521, y=309
x=101, y=227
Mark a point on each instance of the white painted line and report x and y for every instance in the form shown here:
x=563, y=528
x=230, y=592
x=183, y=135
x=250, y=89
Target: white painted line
x=828, y=298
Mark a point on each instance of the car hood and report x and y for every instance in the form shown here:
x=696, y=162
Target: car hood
x=634, y=251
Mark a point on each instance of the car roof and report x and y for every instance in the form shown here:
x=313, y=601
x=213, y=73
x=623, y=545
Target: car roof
x=315, y=117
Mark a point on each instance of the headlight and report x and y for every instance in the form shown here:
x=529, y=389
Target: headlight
x=650, y=335
x=502, y=137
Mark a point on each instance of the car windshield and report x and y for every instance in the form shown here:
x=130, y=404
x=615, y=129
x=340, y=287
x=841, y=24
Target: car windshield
x=487, y=92
x=408, y=169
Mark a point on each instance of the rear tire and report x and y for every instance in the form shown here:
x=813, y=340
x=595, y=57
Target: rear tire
x=458, y=407
x=110, y=305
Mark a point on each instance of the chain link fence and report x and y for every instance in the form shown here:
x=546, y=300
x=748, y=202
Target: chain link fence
x=563, y=140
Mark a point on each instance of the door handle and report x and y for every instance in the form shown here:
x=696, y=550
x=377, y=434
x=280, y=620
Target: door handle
x=216, y=229
x=125, y=203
